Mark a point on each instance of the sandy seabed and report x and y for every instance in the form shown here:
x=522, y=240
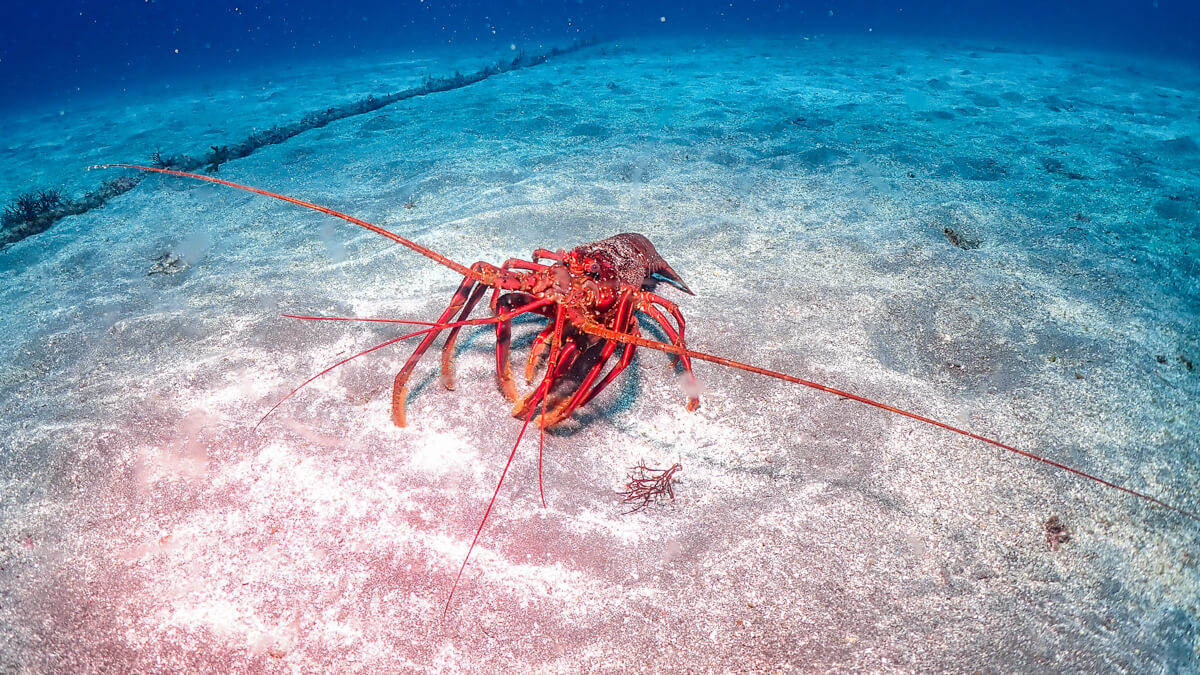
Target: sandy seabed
x=1000, y=238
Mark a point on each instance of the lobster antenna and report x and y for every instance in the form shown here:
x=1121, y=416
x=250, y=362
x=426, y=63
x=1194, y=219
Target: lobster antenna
x=529, y=416
x=428, y=253
x=608, y=334
x=364, y=352
x=551, y=370
x=433, y=326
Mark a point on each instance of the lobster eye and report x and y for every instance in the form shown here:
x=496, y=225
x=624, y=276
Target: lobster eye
x=594, y=268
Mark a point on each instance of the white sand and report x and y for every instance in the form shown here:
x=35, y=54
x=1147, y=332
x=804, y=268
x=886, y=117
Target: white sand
x=802, y=190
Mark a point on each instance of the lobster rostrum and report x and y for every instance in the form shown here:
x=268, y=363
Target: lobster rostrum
x=592, y=296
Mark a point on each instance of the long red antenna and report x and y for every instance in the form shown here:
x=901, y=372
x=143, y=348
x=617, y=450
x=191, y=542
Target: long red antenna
x=529, y=416
x=433, y=326
x=364, y=352
x=600, y=331
x=428, y=253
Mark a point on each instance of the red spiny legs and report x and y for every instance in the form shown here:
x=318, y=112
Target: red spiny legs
x=399, y=389
x=579, y=385
x=469, y=292
x=646, y=304
x=575, y=371
x=577, y=374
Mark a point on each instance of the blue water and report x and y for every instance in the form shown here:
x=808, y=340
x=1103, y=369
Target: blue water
x=52, y=53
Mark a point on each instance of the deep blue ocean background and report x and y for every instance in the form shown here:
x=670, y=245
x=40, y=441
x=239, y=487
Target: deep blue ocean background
x=55, y=52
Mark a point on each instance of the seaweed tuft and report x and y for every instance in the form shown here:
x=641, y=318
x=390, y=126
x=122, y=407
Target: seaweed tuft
x=217, y=155
x=30, y=213
x=30, y=208
x=161, y=161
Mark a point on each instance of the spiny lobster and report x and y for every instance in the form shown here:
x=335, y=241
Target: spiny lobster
x=592, y=296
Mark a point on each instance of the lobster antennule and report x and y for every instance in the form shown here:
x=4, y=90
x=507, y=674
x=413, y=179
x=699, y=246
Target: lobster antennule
x=608, y=334
x=428, y=253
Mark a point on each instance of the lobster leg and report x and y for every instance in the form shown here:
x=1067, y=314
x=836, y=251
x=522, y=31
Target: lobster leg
x=511, y=264
x=541, y=253
x=518, y=264
x=399, y=388
x=566, y=359
x=503, y=343
x=606, y=347
x=557, y=344
x=540, y=344
x=676, y=338
x=537, y=351
x=448, y=347
x=626, y=359
x=572, y=383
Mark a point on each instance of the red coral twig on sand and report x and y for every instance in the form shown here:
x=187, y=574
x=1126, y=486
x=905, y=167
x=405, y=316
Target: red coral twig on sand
x=647, y=485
